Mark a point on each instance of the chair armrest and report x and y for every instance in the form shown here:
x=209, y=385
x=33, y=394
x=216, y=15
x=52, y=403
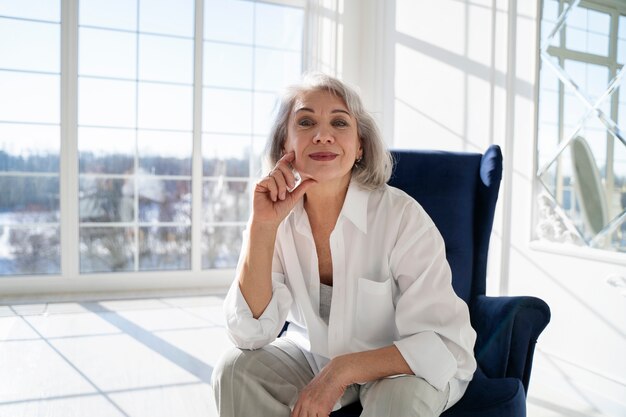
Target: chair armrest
x=507, y=328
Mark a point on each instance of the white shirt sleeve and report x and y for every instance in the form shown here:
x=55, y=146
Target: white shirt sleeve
x=436, y=338
x=244, y=330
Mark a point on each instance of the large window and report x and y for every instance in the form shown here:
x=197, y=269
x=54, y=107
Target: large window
x=172, y=109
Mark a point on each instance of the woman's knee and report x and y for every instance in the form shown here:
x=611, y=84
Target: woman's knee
x=233, y=364
x=403, y=396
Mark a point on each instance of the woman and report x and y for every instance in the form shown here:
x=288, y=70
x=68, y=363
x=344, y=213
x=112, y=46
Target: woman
x=357, y=268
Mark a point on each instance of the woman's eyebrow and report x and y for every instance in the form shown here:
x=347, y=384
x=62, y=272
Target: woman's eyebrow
x=312, y=111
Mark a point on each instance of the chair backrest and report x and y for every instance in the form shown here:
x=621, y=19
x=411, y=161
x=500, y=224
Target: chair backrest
x=459, y=191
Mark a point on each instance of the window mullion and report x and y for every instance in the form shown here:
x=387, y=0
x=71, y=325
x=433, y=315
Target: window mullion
x=69, y=142
x=196, y=179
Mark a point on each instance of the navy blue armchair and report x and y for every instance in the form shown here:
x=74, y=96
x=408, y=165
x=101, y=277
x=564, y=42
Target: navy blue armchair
x=459, y=191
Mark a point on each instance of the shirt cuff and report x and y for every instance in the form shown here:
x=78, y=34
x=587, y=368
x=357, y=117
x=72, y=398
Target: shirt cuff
x=429, y=358
x=244, y=330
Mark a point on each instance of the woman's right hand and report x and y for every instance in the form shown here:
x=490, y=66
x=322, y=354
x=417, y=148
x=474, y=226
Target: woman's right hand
x=272, y=200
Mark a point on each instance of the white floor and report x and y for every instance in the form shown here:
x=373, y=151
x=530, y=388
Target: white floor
x=133, y=358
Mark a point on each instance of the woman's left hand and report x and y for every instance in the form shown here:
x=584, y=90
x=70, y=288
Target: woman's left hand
x=318, y=398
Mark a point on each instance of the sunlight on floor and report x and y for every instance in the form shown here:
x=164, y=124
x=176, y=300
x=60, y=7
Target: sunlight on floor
x=133, y=358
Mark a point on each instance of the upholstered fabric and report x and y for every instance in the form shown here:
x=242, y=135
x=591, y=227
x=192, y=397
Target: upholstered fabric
x=459, y=191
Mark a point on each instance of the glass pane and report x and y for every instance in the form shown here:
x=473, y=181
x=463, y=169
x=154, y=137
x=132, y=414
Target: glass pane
x=106, y=200
x=265, y=108
x=598, y=22
x=29, y=148
x=577, y=18
x=581, y=40
x=225, y=201
x=165, y=153
x=276, y=69
x=165, y=106
x=621, y=114
x=114, y=14
x=106, y=151
x=107, y=53
x=279, y=26
x=164, y=248
x=29, y=199
x=618, y=204
x=226, y=111
x=106, y=249
x=221, y=246
x=30, y=251
x=550, y=10
x=597, y=44
x=225, y=155
x=227, y=65
x=162, y=58
x=32, y=9
x=573, y=111
x=591, y=79
x=621, y=51
x=229, y=20
x=164, y=200
x=588, y=31
x=29, y=97
x=547, y=142
x=106, y=102
x=172, y=17
x=548, y=106
x=258, y=150
x=31, y=46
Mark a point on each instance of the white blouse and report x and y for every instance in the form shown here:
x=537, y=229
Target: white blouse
x=391, y=284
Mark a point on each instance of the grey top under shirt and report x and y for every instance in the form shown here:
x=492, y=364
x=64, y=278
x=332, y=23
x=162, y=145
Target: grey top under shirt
x=326, y=295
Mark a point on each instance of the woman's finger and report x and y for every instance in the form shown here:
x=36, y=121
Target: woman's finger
x=281, y=182
x=287, y=170
x=269, y=183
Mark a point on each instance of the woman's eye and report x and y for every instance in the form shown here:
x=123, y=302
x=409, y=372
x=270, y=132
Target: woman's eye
x=340, y=123
x=305, y=123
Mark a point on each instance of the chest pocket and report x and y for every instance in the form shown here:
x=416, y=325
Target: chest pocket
x=375, y=311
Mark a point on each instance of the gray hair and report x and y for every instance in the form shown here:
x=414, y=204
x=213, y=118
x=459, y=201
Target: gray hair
x=374, y=168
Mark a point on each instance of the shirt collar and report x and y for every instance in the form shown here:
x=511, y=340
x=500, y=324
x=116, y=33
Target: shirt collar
x=354, y=209
x=355, y=206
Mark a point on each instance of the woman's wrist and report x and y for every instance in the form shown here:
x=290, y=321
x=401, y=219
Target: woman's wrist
x=267, y=229
x=344, y=369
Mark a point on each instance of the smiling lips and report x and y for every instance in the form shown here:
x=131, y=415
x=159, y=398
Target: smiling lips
x=323, y=156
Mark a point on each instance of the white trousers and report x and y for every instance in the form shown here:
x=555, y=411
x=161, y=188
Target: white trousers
x=266, y=383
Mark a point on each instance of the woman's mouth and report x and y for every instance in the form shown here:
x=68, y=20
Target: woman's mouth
x=323, y=156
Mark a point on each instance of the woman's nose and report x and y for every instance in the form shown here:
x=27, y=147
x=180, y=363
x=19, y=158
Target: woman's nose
x=323, y=136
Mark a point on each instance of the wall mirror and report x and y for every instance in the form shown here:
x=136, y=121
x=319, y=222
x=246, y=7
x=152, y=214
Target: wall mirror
x=581, y=124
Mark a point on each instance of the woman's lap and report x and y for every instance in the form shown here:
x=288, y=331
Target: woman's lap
x=266, y=382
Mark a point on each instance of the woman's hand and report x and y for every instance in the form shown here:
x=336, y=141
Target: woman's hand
x=272, y=200
x=318, y=398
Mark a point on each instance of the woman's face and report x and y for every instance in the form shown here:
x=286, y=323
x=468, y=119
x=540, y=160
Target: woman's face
x=323, y=135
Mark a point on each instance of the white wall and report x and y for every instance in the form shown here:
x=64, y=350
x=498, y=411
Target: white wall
x=445, y=72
